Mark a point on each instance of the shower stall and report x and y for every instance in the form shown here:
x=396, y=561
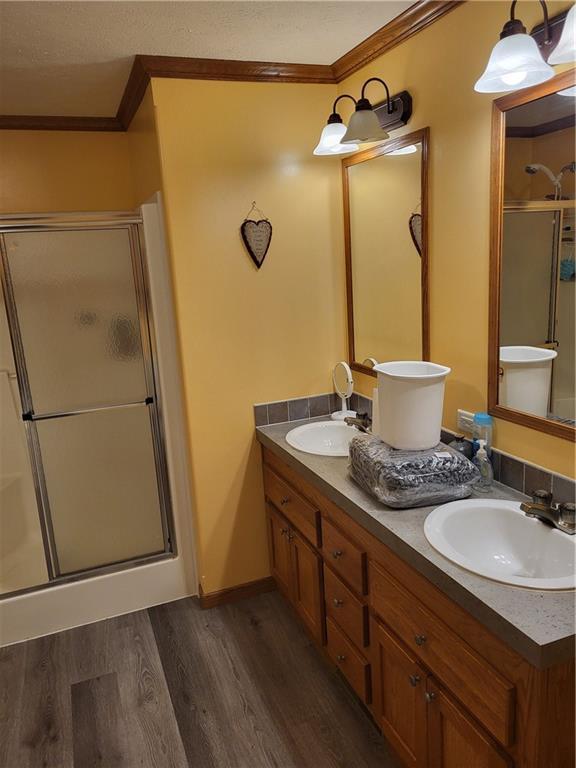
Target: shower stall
x=84, y=487
x=537, y=307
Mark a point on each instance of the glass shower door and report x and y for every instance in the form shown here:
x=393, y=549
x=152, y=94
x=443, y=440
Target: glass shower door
x=79, y=324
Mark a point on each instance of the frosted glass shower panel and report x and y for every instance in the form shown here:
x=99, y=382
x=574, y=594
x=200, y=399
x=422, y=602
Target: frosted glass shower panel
x=102, y=488
x=77, y=308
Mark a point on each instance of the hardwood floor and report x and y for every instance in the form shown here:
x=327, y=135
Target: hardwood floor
x=237, y=686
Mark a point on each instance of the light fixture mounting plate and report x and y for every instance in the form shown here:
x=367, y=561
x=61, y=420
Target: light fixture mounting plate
x=401, y=113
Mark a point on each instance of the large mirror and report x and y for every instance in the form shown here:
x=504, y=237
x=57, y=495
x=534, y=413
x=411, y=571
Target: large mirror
x=385, y=209
x=532, y=341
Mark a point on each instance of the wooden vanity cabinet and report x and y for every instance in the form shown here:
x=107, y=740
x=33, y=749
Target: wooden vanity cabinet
x=296, y=567
x=399, y=686
x=444, y=690
x=454, y=738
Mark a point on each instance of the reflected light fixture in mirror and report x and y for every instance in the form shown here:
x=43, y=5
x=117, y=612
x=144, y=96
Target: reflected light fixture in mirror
x=409, y=150
x=565, y=51
x=515, y=61
x=364, y=124
x=333, y=132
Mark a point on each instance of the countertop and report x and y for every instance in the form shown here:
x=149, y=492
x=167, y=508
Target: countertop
x=539, y=625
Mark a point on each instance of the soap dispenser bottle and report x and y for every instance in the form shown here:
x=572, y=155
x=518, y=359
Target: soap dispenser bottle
x=484, y=465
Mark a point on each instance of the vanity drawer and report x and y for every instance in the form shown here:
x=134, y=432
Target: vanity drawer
x=345, y=609
x=488, y=695
x=298, y=511
x=344, y=557
x=349, y=661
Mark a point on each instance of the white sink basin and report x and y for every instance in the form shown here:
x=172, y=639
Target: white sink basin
x=324, y=438
x=495, y=539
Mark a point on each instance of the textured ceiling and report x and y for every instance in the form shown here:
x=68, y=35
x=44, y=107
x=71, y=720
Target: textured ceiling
x=73, y=58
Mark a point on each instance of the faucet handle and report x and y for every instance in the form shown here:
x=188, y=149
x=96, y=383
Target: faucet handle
x=542, y=497
x=567, y=513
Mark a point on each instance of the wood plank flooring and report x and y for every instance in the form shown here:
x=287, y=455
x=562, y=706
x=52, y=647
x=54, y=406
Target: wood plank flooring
x=237, y=686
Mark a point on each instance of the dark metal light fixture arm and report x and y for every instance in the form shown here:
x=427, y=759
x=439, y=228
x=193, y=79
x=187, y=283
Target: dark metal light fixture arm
x=342, y=96
x=389, y=107
x=515, y=26
x=335, y=117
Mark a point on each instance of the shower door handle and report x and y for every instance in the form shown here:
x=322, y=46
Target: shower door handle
x=31, y=416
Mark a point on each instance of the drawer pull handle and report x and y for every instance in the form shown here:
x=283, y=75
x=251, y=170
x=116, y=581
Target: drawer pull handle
x=420, y=639
x=337, y=553
x=414, y=680
x=285, y=500
x=338, y=603
x=430, y=696
x=340, y=657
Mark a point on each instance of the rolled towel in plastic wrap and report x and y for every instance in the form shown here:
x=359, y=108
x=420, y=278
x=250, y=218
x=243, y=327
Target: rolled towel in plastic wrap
x=404, y=479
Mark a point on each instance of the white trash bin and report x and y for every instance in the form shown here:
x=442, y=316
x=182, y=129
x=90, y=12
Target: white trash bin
x=526, y=379
x=410, y=402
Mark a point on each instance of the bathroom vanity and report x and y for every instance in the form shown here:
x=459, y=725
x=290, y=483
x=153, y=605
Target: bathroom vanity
x=455, y=669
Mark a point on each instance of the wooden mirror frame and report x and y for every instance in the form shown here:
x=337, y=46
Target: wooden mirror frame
x=499, y=109
x=421, y=137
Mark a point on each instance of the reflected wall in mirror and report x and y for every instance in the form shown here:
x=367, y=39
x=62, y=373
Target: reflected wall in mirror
x=385, y=208
x=532, y=339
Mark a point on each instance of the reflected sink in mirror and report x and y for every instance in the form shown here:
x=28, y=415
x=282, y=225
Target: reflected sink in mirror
x=495, y=539
x=324, y=438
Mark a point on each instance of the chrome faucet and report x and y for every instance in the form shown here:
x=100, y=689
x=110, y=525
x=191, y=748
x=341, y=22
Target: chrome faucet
x=361, y=421
x=561, y=516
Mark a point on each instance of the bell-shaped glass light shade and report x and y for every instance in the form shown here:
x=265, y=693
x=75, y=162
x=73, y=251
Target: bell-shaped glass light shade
x=364, y=126
x=329, y=143
x=330, y=138
x=515, y=62
x=565, y=51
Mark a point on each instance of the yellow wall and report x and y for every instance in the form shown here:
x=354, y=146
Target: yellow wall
x=143, y=151
x=247, y=336
x=43, y=171
x=439, y=67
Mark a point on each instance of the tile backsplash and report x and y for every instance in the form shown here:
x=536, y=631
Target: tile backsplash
x=508, y=470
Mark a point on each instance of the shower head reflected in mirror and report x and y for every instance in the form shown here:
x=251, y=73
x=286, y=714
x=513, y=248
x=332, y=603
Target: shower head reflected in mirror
x=533, y=168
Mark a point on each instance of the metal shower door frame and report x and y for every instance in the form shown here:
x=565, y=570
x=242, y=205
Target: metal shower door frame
x=74, y=222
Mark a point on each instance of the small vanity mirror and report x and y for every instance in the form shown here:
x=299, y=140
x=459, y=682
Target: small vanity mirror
x=385, y=208
x=343, y=386
x=532, y=342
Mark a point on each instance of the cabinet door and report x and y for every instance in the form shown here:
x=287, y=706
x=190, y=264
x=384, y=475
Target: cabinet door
x=399, y=702
x=307, y=585
x=280, y=555
x=454, y=739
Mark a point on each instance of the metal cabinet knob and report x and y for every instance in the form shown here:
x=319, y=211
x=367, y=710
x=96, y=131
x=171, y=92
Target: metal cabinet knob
x=420, y=639
x=340, y=657
x=414, y=680
x=338, y=603
x=285, y=500
x=337, y=553
x=429, y=696
x=284, y=531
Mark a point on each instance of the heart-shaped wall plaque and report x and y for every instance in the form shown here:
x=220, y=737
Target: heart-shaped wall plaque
x=256, y=236
x=415, y=225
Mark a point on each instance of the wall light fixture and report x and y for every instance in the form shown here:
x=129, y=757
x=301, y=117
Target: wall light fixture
x=515, y=61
